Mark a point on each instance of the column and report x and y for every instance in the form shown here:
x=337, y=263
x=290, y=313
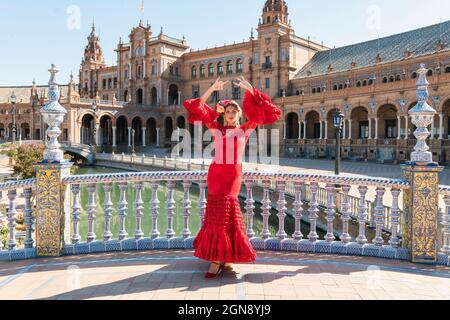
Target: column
x=114, y=129
x=399, y=127
x=344, y=133
x=179, y=98
x=370, y=128
x=157, y=136
x=406, y=127
x=350, y=129
x=144, y=129
x=326, y=130
x=284, y=130
x=299, y=130
x=304, y=129
x=376, y=128
x=321, y=130
x=129, y=136
x=432, y=128
x=441, y=126
x=97, y=134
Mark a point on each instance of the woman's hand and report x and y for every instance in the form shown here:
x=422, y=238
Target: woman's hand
x=243, y=83
x=218, y=85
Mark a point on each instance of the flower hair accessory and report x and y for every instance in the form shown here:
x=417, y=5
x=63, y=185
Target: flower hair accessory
x=223, y=103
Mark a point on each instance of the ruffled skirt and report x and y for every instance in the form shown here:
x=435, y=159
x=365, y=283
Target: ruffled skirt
x=223, y=237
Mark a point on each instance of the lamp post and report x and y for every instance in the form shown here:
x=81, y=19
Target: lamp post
x=338, y=121
x=14, y=129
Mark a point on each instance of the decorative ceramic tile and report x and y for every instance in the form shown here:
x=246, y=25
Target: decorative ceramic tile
x=338, y=248
x=273, y=244
x=371, y=250
x=30, y=253
x=81, y=248
x=189, y=243
x=323, y=247
x=258, y=243
x=306, y=246
x=354, y=249
x=98, y=246
x=388, y=252
x=289, y=245
x=130, y=244
x=161, y=244
x=5, y=256
x=113, y=245
x=176, y=243
x=145, y=244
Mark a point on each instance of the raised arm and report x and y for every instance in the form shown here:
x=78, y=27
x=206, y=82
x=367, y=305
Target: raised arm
x=199, y=111
x=258, y=107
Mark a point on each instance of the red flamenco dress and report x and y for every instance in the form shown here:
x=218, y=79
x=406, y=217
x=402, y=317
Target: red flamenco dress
x=223, y=237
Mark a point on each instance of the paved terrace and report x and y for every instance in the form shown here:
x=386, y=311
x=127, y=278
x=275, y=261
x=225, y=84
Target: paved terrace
x=159, y=275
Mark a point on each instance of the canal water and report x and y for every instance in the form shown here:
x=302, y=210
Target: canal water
x=194, y=221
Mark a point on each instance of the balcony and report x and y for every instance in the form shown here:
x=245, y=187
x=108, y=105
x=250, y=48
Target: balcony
x=267, y=65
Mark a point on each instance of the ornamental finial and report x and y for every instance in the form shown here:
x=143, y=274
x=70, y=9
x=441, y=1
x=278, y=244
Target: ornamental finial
x=422, y=116
x=53, y=114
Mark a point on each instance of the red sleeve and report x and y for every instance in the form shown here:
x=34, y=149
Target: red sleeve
x=200, y=113
x=259, y=108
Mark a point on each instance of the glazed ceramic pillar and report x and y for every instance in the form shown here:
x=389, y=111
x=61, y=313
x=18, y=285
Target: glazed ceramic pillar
x=52, y=209
x=421, y=236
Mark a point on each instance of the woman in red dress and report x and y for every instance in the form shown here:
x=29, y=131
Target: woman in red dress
x=222, y=239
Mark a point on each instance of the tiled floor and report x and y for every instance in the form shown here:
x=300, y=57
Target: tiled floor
x=177, y=275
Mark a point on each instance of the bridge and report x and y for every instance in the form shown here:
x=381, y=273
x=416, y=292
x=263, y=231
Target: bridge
x=68, y=217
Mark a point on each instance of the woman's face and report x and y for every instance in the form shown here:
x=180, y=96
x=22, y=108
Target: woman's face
x=231, y=116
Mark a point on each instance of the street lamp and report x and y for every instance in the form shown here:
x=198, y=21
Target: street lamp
x=338, y=122
x=13, y=101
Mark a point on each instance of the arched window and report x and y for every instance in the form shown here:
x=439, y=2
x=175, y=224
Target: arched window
x=385, y=80
x=230, y=67
x=220, y=68
x=447, y=70
x=414, y=75
x=358, y=84
x=171, y=70
x=370, y=82
x=115, y=82
x=430, y=73
x=104, y=84
x=313, y=90
x=341, y=87
x=194, y=72
x=109, y=83
x=268, y=19
x=139, y=51
x=318, y=90
x=391, y=79
x=139, y=72
x=211, y=70
x=398, y=77
x=364, y=83
x=335, y=87
x=239, y=66
x=297, y=92
x=202, y=71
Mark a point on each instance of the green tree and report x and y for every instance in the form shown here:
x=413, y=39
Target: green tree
x=26, y=156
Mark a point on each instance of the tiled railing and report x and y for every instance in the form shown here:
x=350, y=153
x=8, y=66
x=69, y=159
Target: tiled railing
x=273, y=188
x=12, y=208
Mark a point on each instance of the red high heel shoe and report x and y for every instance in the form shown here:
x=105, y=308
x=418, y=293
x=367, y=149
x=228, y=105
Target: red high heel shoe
x=211, y=276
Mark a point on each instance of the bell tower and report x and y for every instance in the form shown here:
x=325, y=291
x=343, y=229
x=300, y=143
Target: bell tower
x=93, y=61
x=275, y=12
